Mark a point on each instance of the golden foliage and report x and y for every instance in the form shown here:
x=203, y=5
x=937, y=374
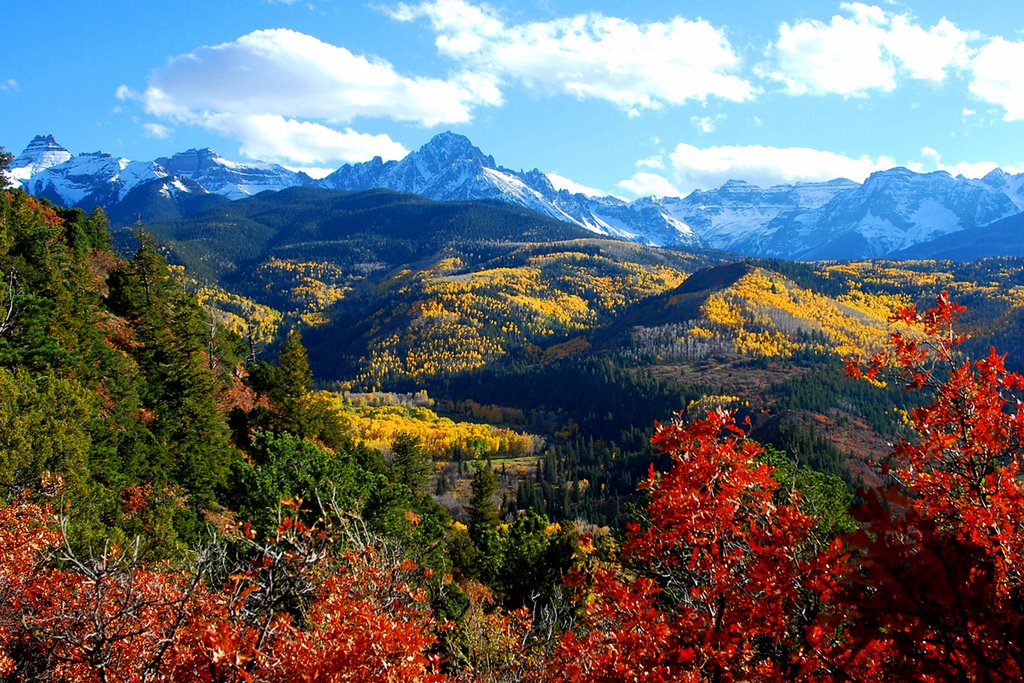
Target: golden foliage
x=463, y=320
x=377, y=426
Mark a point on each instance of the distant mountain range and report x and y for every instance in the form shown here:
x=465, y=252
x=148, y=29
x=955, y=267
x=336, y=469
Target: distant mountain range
x=893, y=213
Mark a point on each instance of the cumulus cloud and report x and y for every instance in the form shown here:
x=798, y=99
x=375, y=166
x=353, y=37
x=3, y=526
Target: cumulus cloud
x=284, y=94
x=591, y=56
x=10, y=85
x=998, y=77
x=866, y=49
x=287, y=73
x=275, y=138
x=706, y=124
x=156, y=130
x=560, y=182
x=706, y=168
x=645, y=184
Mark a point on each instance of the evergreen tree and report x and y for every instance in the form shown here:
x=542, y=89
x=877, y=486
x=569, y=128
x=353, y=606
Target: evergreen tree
x=292, y=382
x=5, y=162
x=411, y=464
x=179, y=389
x=483, y=513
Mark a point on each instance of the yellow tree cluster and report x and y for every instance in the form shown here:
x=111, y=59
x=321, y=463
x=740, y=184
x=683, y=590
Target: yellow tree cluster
x=240, y=314
x=463, y=319
x=442, y=438
x=996, y=280
x=766, y=315
x=311, y=287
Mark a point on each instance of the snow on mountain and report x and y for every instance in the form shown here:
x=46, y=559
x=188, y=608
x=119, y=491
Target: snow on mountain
x=41, y=153
x=48, y=170
x=231, y=179
x=890, y=211
x=449, y=168
x=738, y=215
x=91, y=179
x=1011, y=185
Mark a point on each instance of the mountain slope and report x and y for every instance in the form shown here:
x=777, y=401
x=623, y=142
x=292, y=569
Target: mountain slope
x=46, y=169
x=41, y=153
x=1002, y=238
x=891, y=211
x=449, y=167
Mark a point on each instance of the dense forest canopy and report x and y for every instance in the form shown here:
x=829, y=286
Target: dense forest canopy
x=193, y=505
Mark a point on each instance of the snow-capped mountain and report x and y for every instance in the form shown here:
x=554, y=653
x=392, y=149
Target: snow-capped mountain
x=231, y=179
x=836, y=219
x=42, y=153
x=91, y=179
x=891, y=211
x=737, y=215
x=46, y=169
x=450, y=168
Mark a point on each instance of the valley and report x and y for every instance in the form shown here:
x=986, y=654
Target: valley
x=471, y=385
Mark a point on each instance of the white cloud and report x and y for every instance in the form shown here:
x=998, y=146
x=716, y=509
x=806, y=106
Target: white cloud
x=156, y=130
x=124, y=93
x=591, y=56
x=696, y=168
x=288, y=73
x=644, y=184
x=275, y=138
x=999, y=76
x=287, y=97
x=706, y=124
x=314, y=172
x=968, y=169
x=864, y=51
x=653, y=162
x=560, y=182
x=10, y=85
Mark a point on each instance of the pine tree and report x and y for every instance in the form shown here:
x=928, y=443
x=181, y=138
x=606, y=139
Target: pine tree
x=411, y=464
x=483, y=513
x=5, y=163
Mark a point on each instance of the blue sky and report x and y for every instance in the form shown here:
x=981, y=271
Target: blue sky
x=625, y=98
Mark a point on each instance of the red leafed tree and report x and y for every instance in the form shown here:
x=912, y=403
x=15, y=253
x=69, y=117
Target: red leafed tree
x=296, y=610
x=732, y=584
x=937, y=591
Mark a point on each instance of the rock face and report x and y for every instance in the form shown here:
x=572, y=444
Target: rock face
x=888, y=214
x=46, y=169
x=41, y=153
x=449, y=168
x=230, y=179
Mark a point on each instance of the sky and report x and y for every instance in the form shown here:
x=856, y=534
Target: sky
x=633, y=99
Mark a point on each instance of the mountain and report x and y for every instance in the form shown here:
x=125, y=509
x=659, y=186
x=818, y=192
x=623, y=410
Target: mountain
x=361, y=232
x=890, y=212
x=1002, y=238
x=41, y=153
x=738, y=215
x=230, y=179
x=91, y=179
x=449, y=167
x=158, y=189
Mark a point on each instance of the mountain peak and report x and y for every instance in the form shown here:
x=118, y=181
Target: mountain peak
x=447, y=147
x=40, y=154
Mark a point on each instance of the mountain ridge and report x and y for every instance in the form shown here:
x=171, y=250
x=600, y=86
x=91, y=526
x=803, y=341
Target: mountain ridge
x=887, y=214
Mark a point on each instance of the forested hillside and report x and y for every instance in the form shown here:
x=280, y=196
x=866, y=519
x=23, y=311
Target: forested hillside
x=191, y=504
x=510, y=318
